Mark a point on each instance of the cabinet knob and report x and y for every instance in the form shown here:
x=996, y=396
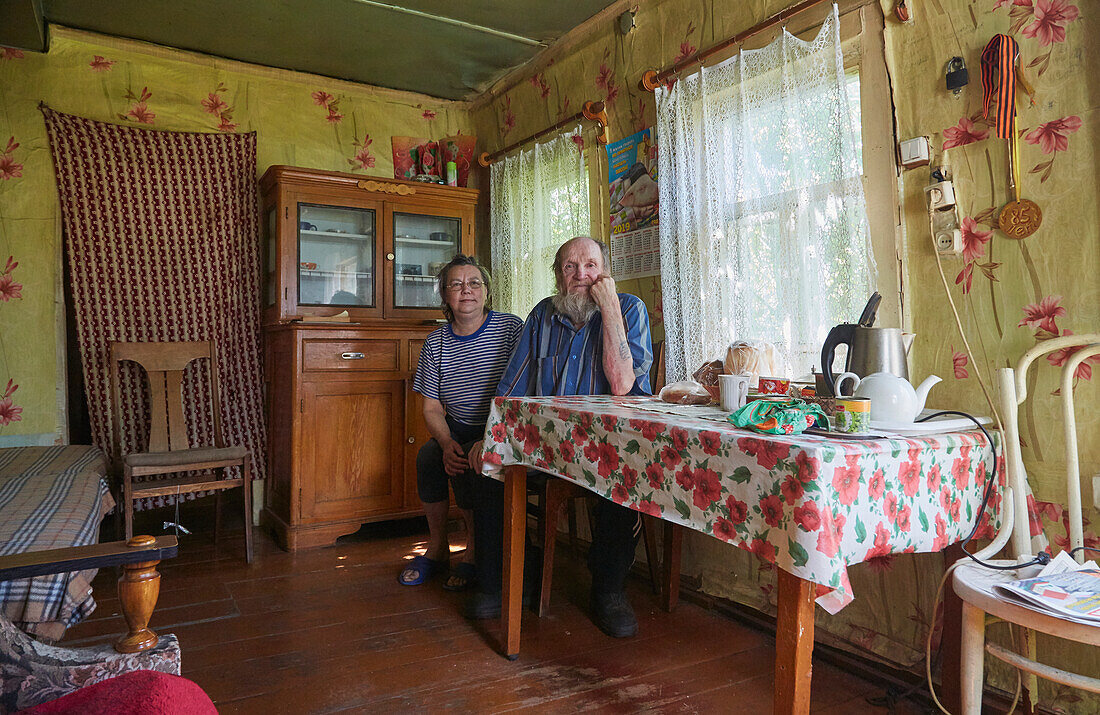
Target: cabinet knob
x=412, y=440
x=352, y=356
x=389, y=256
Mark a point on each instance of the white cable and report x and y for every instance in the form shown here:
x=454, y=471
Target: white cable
x=962, y=334
x=928, y=649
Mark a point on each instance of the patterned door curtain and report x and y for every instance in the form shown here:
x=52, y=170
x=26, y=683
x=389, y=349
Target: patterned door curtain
x=162, y=233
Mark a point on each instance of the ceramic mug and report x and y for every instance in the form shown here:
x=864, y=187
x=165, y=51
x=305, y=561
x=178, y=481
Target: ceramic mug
x=734, y=390
x=841, y=378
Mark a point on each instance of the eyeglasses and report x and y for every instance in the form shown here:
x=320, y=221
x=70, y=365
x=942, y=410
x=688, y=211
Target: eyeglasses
x=472, y=284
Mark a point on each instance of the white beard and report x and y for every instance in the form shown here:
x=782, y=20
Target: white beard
x=578, y=307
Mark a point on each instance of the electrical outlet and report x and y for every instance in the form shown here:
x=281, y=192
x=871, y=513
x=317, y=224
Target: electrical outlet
x=945, y=230
x=1096, y=491
x=949, y=242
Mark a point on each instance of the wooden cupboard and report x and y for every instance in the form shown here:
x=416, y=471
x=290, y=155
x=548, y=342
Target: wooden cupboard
x=344, y=425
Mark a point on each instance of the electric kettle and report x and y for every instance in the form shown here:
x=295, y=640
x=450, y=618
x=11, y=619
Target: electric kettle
x=870, y=350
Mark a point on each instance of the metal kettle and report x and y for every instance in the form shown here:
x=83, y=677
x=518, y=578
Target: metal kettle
x=870, y=350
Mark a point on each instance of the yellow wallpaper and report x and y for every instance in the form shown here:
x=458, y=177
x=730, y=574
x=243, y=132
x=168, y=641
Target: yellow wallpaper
x=1010, y=293
x=299, y=119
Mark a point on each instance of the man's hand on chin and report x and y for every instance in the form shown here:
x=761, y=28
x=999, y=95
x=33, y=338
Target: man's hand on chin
x=604, y=293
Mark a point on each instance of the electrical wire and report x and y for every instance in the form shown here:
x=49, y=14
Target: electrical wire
x=962, y=334
x=1042, y=557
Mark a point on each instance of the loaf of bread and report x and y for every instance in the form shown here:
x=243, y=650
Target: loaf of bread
x=751, y=357
x=685, y=392
x=708, y=373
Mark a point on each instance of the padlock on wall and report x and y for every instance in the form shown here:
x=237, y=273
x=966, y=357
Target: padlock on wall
x=957, y=76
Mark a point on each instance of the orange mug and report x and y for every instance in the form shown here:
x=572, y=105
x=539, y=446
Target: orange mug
x=774, y=386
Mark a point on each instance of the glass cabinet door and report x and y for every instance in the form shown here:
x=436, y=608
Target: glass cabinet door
x=335, y=255
x=421, y=246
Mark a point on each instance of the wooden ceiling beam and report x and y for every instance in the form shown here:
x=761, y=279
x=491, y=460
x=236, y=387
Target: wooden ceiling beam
x=561, y=46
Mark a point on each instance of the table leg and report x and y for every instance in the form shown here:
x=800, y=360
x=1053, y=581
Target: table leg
x=950, y=643
x=515, y=524
x=794, y=645
x=673, y=539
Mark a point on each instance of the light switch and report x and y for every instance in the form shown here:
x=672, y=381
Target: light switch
x=915, y=152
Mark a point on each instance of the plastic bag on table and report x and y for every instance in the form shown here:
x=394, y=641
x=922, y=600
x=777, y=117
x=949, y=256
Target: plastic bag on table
x=707, y=374
x=751, y=357
x=685, y=392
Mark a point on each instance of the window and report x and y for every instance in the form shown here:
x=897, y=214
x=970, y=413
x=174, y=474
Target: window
x=539, y=200
x=764, y=230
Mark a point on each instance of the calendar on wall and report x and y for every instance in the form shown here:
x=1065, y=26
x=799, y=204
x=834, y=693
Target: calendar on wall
x=636, y=254
x=632, y=183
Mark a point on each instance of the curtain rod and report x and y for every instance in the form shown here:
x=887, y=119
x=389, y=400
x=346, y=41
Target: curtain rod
x=594, y=111
x=652, y=79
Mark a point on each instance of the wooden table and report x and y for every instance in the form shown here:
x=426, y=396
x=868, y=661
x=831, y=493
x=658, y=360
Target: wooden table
x=811, y=505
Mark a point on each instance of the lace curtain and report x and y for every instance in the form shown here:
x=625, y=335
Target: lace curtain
x=763, y=222
x=538, y=200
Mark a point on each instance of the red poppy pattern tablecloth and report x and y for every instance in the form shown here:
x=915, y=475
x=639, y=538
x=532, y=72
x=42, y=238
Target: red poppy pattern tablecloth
x=811, y=505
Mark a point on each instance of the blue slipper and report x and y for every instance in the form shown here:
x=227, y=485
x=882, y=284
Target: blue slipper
x=461, y=577
x=420, y=569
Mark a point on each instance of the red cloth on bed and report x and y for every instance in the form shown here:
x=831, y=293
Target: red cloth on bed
x=139, y=692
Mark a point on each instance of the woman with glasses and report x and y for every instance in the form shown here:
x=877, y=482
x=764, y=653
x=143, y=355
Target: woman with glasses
x=459, y=368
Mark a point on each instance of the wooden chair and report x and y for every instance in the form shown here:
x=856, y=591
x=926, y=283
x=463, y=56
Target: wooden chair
x=169, y=451
x=972, y=582
x=560, y=493
x=32, y=673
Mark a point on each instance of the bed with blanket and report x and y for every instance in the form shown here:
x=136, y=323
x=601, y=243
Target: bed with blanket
x=50, y=498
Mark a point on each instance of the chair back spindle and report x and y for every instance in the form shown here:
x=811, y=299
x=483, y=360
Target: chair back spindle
x=1014, y=391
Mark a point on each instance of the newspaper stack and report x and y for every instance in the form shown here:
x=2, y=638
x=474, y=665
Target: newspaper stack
x=1064, y=588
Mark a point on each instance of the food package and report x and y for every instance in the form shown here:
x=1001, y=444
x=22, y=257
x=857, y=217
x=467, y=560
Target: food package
x=708, y=373
x=751, y=357
x=685, y=392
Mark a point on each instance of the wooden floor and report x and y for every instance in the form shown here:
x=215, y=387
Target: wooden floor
x=331, y=630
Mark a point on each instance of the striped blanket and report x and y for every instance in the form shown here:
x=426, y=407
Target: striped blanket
x=50, y=498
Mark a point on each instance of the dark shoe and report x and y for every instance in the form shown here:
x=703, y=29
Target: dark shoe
x=481, y=606
x=462, y=577
x=613, y=615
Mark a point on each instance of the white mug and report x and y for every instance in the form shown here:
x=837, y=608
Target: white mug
x=841, y=378
x=734, y=390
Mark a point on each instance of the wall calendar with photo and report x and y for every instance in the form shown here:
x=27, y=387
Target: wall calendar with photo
x=632, y=182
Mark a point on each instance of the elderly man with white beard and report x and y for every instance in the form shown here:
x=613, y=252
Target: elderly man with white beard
x=587, y=339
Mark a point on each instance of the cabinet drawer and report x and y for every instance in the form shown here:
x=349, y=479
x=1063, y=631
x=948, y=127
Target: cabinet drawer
x=373, y=355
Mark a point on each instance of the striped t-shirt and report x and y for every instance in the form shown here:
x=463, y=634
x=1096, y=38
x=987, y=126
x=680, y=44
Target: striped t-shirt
x=462, y=371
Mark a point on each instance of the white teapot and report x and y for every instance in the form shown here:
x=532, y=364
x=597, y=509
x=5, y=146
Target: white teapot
x=893, y=399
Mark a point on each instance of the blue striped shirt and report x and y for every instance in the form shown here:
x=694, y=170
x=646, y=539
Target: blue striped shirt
x=555, y=358
x=461, y=371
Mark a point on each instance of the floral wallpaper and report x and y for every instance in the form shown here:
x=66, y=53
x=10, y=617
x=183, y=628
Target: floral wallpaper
x=1011, y=294
x=299, y=119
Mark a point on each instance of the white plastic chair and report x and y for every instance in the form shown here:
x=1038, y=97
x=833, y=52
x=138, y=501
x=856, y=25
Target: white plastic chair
x=972, y=582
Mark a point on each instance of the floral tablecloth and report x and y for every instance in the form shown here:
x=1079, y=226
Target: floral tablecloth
x=811, y=505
